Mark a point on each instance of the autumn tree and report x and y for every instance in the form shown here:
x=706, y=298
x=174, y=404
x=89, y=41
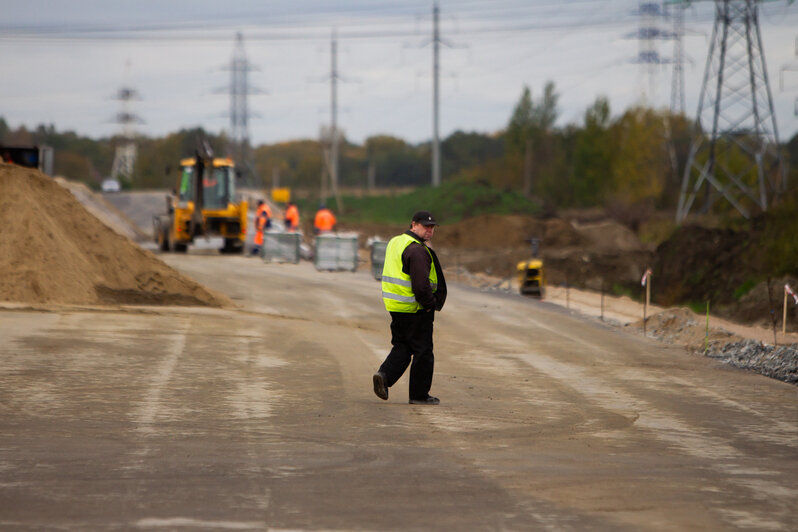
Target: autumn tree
x=529, y=132
x=641, y=165
x=592, y=156
x=397, y=163
x=461, y=150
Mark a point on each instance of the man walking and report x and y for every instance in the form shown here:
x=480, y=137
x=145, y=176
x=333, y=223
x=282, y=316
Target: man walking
x=413, y=288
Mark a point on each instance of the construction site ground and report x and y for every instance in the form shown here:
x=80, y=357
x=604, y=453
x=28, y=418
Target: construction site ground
x=236, y=394
x=263, y=417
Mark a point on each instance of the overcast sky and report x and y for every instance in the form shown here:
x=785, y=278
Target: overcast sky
x=63, y=61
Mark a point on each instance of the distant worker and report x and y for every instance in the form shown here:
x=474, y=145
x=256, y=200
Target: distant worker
x=413, y=288
x=264, y=207
x=291, y=217
x=261, y=224
x=325, y=220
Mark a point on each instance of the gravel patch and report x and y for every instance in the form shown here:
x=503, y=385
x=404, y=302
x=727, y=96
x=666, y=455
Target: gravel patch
x=680, y=327
x=778, y=362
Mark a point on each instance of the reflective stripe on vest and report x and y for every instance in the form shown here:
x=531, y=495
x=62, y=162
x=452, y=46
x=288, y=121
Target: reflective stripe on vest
x=397, y=291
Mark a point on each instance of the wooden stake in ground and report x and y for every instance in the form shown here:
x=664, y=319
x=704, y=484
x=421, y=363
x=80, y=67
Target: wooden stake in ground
x=784, y=317
x=645, y=281
x=706, y=336
x=567, y=294
x=787, y=291
x=602, y=299
x=772, y=313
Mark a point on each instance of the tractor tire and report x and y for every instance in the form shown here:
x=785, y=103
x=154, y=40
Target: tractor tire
x=233, y=246
x=163, y=239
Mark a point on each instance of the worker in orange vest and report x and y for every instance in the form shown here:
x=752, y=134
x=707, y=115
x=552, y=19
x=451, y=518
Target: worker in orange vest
x=263, y=207
x=291, y=217
x=262, y=222
x=325, y=220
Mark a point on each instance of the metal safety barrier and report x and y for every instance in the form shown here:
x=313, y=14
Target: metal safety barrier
x=281, y=247
x=378, y=258
x=336, y=252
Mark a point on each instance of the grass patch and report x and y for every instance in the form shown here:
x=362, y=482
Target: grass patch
x=451, y=202
x=623, y=290
x=744, y=288
x=699, y=307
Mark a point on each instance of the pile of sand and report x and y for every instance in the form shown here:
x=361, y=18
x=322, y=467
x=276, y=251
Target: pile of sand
x=104, y=211
x=53, y=251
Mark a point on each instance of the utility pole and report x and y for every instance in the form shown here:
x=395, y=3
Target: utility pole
x=334, y=118
x=436, y=146
x=437, y=40
x=329, y=137
x=735, y=147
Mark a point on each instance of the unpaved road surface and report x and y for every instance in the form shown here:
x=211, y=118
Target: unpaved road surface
x=264, y=418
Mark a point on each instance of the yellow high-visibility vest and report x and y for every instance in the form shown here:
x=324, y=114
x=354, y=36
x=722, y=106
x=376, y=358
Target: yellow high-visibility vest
x=397, y=292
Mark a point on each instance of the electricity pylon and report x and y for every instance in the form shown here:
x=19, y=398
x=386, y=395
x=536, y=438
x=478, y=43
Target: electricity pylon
x=240, y=90
x=735, y=147
x=677, y=79
x=125, y=152
x=648, y=34
x=790, y=67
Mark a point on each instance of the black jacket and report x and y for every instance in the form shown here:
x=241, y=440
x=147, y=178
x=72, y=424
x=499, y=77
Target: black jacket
x=416, y=263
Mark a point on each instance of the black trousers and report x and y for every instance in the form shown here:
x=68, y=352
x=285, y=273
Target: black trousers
x=411, y=337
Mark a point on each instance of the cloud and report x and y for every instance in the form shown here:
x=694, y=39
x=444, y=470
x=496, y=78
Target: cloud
x=62, y=62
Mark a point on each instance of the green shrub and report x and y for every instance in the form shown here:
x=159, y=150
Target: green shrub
x=744, y=288
x=699, y=307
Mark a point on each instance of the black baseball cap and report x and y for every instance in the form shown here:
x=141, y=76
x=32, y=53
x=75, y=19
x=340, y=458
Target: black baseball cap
x=424, y=218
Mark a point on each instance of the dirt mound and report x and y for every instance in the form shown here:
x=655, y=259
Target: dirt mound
x=486, y=232
x=609, y=235
x=104, y=211
x=699, y=264
x=585, y=256
x=52, y=250
x=493, y=231
x=754, y=307
x=684, y=327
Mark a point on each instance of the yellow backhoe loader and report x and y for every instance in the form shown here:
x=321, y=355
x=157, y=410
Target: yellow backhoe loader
x=205, y=203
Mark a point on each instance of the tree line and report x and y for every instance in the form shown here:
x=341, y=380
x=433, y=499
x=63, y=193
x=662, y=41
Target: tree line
x=634, y=160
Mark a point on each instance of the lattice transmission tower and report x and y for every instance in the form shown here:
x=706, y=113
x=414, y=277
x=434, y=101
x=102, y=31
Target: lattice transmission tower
x=677, y=78
x=239, y=91
x=735, y=147
x=125, y=152
x=648, y=35
x=787, y=68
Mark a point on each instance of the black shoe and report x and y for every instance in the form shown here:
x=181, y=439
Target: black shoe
x=429, y=400
x=379, y=386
